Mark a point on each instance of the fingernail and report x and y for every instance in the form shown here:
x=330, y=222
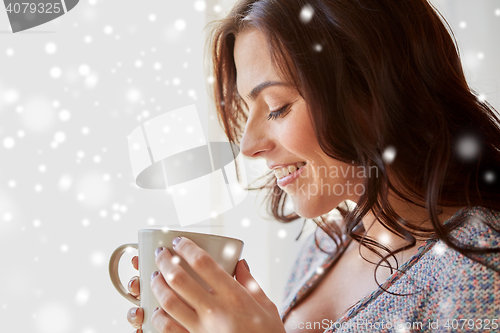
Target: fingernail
x=158, y=250
x=155, y=273
x=246, y=265
x=132, y=281
x=158, y=308
x=133, y=313
x=175, y=241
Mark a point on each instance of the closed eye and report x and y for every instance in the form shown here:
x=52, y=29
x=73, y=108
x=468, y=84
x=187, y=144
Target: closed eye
x=278, y=113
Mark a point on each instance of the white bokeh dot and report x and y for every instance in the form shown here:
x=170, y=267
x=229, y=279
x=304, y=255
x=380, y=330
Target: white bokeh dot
x=9, y=52
x=152, y=17
x=50, y=48
x=7, y=216
x=229, y=251
x=462, y=24
x=439, y=248
x=60, y=137
x=180, y=24
x=245, y=223
x=389, y=154
x=64, y=115
x=306, y=14
x=64, y=248
x=489, y=177
x=282, y=233
x=97, y=258
x=133, y=95
x=108, y=30
x=55, y=72
x=176, y=260
x=497, y=12
x=84, y=69
x=468, y=147
x=200, y=5
x=65, y=182
x=9, y=142
x=85, y=130
x=82, y=296
x=87, y=39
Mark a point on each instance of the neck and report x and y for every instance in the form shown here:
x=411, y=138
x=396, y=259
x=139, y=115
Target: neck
x=415, y=214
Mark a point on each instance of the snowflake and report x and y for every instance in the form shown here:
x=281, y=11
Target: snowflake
x=306, y=14
x=389, y=154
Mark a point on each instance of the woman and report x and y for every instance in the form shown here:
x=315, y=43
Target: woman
x=364, y=101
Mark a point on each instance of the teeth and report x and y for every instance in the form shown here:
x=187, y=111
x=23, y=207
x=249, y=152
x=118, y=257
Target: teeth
x=283, y=172
x=278, y=173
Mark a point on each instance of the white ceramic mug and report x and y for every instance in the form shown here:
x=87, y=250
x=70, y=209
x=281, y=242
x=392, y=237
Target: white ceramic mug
x=225, y=251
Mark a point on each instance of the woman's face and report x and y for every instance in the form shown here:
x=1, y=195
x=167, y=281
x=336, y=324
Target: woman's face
x=323, y=183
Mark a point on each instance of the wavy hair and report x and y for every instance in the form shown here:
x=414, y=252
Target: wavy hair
x=374, y=74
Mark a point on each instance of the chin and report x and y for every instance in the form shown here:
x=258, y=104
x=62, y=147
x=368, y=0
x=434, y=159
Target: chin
x=310, y=209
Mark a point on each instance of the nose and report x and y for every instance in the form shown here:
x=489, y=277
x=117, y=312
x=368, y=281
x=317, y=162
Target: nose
x=255, y=139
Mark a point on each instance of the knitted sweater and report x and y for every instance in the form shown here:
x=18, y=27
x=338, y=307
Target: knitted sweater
x=452, y=293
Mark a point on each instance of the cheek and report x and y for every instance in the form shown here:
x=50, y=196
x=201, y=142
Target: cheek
x=298, y=134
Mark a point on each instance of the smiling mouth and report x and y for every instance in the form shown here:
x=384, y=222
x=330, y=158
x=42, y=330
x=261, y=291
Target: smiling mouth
x=289, y=169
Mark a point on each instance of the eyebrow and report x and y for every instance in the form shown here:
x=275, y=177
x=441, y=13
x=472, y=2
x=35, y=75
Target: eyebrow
x=258, y=88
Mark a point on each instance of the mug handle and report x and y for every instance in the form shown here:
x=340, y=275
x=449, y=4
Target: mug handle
x=113, y=272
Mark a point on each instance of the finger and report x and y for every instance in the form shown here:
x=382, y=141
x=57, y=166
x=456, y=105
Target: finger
x=134, y=286
x=180, y=281
x=135, y=317
x=172, y=304
x=163, y=323
x=204, y=265
x=135, y=262
x=246, y=279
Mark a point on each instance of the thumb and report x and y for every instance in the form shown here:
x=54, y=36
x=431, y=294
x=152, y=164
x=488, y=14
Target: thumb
x=246, y=279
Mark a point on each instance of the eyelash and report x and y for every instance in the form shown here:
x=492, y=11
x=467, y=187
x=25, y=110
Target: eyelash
x=275, y=114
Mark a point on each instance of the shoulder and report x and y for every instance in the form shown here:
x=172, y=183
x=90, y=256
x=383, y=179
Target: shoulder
x=465, y=284
x=475, y=227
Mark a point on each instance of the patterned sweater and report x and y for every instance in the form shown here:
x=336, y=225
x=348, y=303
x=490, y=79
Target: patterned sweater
x=452, y=293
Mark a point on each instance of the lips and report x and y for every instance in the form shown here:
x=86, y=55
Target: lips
x=282, y=182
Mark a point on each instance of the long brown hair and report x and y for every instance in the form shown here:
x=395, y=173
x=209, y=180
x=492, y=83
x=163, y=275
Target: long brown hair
x=374, y=73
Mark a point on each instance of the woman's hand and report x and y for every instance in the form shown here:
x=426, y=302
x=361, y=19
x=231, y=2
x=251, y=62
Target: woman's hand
x=135, y=315
x=230, y=306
